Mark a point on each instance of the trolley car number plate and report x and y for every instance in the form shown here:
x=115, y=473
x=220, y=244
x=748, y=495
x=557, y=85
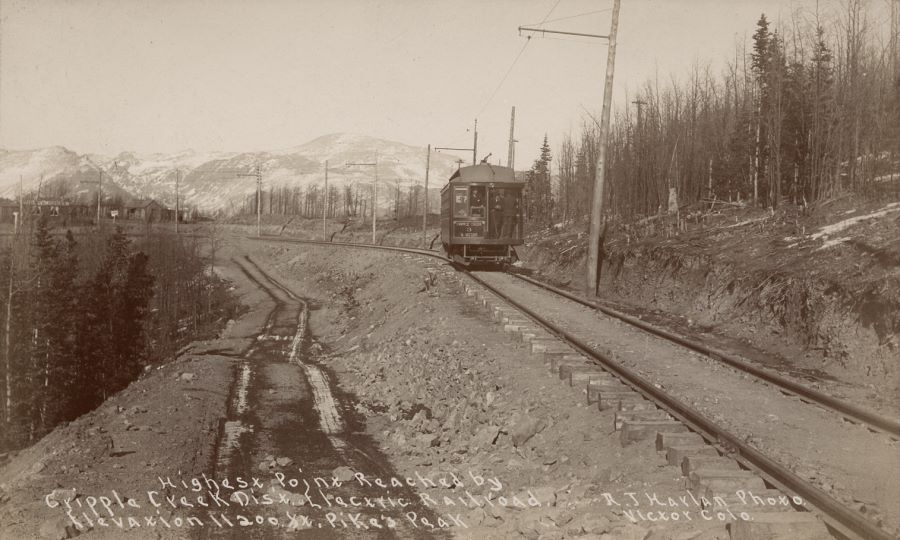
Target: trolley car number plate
x=469, y=229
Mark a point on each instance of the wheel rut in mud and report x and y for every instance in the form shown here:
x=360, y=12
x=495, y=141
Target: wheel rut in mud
x=290, y=446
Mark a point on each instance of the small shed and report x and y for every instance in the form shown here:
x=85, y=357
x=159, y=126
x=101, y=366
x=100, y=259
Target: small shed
x=147, y=210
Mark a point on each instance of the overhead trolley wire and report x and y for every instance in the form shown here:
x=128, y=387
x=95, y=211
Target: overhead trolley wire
x=513, y=64
x=570, y=17
x=505, y=76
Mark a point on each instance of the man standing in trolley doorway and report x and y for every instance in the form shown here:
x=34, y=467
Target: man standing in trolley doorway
x=508, y=212
x=496, y=219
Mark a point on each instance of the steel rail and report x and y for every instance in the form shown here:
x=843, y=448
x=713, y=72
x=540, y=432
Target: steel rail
x=832, y=511
x=848, y=410
x=415, y=251
x=837, y=516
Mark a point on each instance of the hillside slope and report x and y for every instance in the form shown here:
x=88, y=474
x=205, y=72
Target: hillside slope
x=815, y=290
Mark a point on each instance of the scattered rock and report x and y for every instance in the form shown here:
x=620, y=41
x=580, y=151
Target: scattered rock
x=526, y=428
x=284, y=461
x=627, y=531
x=62, y=495
x=343, y=474
x=54, y=529
x=427, y=440
x=485, y=436
x=187, y=377
x=280, y=494
x=546, y=495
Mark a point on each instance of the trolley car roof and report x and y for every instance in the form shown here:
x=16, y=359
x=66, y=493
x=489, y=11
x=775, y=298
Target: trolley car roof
x=484, y=172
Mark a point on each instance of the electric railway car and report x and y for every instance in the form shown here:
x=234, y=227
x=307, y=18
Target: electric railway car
x=481, y=215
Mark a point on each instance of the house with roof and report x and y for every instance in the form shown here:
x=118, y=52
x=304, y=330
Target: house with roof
x=148, y=210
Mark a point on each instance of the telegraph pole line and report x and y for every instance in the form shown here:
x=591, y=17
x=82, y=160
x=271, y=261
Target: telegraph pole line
x=895, y=38
x=325, y=206
x=177, y=211
x=99, y=195
x=475, y=145
x=99, y=183
x=597, y=217
x=258, y=176
x=19, y=219
x=511, y=155
x=425, y=205
x=593, y=259
x=374, y=165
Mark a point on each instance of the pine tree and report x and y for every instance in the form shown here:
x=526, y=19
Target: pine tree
x=132, y=299
x=760, y=65
x=63, y=331
x=43, y=348
x=538, y=191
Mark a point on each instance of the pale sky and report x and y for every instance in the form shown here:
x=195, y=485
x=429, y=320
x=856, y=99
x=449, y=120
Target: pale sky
x=104, y=76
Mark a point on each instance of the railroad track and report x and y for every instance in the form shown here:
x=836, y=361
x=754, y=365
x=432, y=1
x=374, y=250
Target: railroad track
x=647, y=410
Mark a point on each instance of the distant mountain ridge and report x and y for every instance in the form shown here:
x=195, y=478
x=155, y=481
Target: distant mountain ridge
x=210, y=181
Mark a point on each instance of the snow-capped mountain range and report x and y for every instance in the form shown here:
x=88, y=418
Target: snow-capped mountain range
x=210, y=181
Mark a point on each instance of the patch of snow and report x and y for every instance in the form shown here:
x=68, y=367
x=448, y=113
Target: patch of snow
x=828, y=230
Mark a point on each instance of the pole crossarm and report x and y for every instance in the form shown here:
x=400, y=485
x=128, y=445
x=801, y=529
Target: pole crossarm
x=546, y=31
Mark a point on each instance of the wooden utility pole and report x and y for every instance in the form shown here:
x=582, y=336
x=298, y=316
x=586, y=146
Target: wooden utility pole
x=258, y=176
x=600, y=174
x=99, y=183
x=325, y=206
x=425, y=204
x=511, y=153
x=99, y=195
x=374, y=197
x=895, y=38
x=177, y=211
x=374, y=165
x=20, y=219
x=475, y=145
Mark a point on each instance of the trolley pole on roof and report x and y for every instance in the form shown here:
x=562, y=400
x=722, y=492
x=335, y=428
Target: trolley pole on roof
x=459, y=161
x=593, y=260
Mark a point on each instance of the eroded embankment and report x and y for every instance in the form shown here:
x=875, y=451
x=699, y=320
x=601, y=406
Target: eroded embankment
x=825, y=312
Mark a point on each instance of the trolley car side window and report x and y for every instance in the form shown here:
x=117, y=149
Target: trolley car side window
x=461, y=202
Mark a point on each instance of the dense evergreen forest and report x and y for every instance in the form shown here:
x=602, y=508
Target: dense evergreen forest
x=809, y=110
x=83, y=316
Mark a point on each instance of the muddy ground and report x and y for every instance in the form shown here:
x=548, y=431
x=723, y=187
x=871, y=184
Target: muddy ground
x=441, y=411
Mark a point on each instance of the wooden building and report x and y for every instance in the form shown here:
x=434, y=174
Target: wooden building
x=148, y=210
